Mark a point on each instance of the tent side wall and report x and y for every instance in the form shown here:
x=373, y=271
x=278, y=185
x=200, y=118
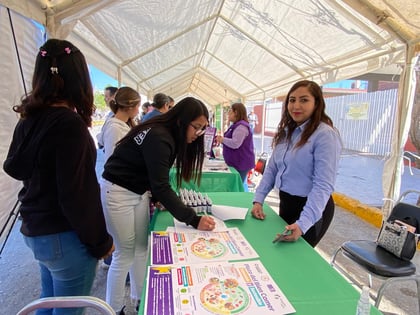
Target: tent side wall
x=28, y=37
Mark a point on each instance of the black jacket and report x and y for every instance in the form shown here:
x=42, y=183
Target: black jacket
x=54, y=155
x=142, y=163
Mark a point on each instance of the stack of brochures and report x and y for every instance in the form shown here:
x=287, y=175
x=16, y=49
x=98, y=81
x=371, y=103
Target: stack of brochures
x=212, y=165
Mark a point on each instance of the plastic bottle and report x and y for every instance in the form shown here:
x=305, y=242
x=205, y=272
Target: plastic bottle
x=363, y=306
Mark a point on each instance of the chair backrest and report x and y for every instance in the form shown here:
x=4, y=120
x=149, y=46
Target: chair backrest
x=68, y=302
x=405, y=210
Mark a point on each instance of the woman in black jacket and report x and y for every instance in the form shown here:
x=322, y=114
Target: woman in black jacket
x=140, y=164
x=54, y=155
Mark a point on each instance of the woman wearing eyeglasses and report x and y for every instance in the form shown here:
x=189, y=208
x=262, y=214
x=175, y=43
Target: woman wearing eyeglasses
x=140, y=163
x=238, y=146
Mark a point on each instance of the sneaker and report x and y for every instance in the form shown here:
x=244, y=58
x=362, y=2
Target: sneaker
x=137, y=306
x=104, y=265
x=127, y=280
x=106, y=262
x=122, y=311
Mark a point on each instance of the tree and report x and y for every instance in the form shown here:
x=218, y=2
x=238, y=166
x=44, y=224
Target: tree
x=99, y=100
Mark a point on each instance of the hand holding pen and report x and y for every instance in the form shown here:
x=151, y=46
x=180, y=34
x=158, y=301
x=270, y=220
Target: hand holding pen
x=290, y=234
x=281, y=237
x=206, y=223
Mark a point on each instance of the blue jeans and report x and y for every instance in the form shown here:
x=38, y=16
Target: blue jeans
x=244, y=178
x=67, y=268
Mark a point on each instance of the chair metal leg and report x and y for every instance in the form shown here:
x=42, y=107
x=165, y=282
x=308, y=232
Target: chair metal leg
x=332, y=263
x=390, y=281
x=344, y=272
x=418, y=291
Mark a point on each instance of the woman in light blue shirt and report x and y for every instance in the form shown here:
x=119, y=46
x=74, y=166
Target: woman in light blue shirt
x=303, y=165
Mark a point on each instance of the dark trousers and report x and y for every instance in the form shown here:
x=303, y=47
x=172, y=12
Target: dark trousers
x=290, y=209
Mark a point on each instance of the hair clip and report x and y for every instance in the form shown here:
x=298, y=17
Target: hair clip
x=54, y=70
x=43, y=53
x=67, y=50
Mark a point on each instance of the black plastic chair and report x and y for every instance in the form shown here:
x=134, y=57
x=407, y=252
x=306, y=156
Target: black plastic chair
x=378, y=261
x=68, y=302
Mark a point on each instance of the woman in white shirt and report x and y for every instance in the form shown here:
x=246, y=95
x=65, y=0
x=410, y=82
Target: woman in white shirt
x=125, y=107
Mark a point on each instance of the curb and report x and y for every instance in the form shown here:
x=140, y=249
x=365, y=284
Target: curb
x=371, y=215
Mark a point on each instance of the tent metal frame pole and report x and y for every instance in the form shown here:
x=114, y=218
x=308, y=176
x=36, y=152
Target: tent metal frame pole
x=17, y=51
x=263, y=125
x=11, y=214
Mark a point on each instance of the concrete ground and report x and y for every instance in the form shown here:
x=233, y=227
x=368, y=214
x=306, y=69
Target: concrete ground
x=19, y=279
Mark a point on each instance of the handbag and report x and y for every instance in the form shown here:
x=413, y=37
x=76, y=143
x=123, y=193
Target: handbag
x=396, y=238
x=261, y=162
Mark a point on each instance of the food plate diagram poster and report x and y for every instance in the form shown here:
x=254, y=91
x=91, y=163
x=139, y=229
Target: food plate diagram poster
x=170, y=248
x=221, y=288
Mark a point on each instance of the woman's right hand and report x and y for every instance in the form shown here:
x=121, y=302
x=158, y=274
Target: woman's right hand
x=257, y=211
x=206, y=223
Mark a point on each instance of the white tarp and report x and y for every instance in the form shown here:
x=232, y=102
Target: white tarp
x=219, y=51
x=391, y=179
x=225, y=50
x=11, y=91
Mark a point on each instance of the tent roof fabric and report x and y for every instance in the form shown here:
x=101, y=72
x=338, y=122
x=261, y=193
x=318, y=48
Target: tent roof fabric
x=231, y=50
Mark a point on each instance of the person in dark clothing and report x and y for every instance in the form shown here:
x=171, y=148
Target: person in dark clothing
x=140, y=164
x=54, y=156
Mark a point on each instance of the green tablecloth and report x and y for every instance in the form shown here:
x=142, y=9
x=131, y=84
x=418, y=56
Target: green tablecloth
x=307, y=280
x=212, y=182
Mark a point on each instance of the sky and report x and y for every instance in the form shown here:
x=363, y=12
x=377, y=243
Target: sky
x=101, y=80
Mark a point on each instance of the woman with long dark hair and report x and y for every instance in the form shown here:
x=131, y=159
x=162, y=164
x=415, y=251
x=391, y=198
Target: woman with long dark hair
x=303, y=165
x=141, y=163
x=54, y=155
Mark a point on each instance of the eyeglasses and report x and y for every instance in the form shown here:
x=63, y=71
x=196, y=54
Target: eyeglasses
x=199, y=131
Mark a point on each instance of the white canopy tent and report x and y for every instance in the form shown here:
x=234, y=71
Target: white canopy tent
x=218, y=51
x=225, y=50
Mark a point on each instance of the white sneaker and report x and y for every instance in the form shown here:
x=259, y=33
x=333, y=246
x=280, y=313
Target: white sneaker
x=104, y=265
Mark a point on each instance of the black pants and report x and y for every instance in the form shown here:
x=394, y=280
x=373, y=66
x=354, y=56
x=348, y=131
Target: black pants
x=290, y=209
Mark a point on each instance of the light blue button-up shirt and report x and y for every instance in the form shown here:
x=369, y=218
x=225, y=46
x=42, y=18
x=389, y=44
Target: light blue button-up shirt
x=308, y=171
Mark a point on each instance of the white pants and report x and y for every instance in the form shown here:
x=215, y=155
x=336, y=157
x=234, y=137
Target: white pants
x=127, y=219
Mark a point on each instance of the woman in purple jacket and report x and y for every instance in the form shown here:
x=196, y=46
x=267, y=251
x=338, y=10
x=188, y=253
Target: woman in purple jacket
x=238, y=146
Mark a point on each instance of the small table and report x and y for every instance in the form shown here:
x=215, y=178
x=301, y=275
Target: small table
x=212, y=181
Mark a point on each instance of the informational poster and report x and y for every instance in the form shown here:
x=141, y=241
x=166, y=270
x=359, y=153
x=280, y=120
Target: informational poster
x=209, y=140
x=357, y=111
x=170, y=248
x=214, y=288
